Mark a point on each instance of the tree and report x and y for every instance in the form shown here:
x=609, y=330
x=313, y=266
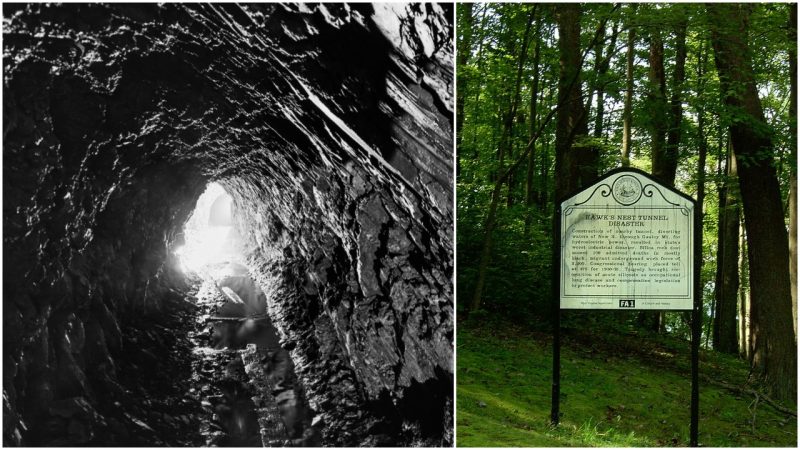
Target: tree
x=774, y=346
x=573, y=164
x=530, y=190
x=726, y=287
x=502, y=175
x=671, y=153
x=627, y=111
x=745, y=333
x=702, y=144
x=793, y=146
x=602, y=63
x=665, y=119
x=657, y=105
x=506, y=141
x=464, y=43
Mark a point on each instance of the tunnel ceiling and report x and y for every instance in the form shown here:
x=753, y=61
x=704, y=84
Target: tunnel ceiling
x=331, y=128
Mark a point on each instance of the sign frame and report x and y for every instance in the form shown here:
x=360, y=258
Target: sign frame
x=695, y=230
x=628, y=224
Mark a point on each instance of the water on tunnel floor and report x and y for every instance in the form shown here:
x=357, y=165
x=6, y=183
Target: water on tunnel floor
x=249, y=389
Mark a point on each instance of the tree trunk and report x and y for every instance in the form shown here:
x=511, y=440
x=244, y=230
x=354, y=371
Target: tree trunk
x=657, y=104
x=597, y=82
x=479, y=63
x=745, y=335
x=774, y=349
x=702, y=152
x=571, y=117
x=793, y=164
x=602, y=64
x=507, y=139
x=670, y=160
x=486, y=249
x=464, y=45
x=726, y=287
x=665, y=121
x=627, y=108
x=530, y=189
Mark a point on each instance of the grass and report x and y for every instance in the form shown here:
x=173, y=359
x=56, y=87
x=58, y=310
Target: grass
x=616, y=391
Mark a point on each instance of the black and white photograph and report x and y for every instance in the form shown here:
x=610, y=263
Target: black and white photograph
x=228, y=225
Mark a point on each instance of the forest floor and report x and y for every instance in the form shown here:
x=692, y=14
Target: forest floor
x=617, y=390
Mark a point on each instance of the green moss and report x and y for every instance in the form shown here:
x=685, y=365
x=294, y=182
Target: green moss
x=609, y=399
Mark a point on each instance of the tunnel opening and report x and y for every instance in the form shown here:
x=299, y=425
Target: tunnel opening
x=210, y=237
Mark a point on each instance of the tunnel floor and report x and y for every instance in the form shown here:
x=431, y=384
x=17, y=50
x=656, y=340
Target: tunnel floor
x=200, y=374
x=224, y=388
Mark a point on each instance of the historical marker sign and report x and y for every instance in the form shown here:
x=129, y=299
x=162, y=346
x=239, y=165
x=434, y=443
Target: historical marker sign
x=627, y=242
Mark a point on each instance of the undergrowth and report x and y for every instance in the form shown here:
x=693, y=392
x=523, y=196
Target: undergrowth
x=617, y=390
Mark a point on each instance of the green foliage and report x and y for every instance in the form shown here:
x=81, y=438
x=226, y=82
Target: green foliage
x=520, y=273
x=518, y=278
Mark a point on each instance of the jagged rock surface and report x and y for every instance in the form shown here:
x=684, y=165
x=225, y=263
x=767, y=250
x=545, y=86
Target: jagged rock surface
x=331, y=128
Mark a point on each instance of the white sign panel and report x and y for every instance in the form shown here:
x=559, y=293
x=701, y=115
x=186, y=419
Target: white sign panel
x=627, y=243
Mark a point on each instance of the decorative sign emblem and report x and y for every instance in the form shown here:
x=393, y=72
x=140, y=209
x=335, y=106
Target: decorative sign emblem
x=627, y=190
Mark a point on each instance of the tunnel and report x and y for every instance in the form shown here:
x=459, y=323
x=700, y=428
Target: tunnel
x=325, y=131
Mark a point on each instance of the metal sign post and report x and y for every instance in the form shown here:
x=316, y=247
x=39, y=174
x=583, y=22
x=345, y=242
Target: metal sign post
x=697, y=326
x=628, y=243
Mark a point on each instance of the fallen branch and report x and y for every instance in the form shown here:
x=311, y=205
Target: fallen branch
x=760, y=396
x=754, y=405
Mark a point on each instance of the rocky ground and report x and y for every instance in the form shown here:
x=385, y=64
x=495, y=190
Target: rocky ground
x=186, y=384
x=248, y=388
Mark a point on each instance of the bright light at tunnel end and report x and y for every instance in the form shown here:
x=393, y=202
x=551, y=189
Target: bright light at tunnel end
x=209, y=235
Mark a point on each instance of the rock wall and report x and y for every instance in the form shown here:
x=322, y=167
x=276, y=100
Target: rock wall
x=330, y=125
